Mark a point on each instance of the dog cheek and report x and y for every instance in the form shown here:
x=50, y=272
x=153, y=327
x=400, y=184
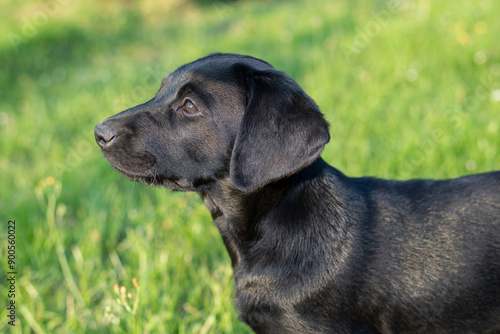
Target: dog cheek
x=206, y=156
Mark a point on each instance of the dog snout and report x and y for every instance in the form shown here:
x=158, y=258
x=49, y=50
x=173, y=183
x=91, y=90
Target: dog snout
x=104, y=134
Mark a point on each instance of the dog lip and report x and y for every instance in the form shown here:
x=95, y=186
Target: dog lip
x=179, y=183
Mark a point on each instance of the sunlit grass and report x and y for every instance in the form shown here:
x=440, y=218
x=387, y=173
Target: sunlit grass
x=409, y=92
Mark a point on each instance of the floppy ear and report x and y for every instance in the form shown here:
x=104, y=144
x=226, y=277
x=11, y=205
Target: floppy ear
x=282, y=131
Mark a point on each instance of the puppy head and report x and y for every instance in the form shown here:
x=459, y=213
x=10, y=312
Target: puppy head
x=220, y=116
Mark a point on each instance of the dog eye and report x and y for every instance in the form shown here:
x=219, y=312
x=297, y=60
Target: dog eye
x=189, y=107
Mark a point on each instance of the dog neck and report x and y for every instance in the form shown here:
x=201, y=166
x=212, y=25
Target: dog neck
x=239, y=216
x=236, y=214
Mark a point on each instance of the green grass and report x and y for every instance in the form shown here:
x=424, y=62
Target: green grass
x=410, y=91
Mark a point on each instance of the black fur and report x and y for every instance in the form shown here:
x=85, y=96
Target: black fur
x=313, y=251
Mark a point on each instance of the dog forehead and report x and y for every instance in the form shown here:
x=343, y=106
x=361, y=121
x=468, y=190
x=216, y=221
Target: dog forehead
x=211, y=91
x=220, y=61
x=221, y=66
x=177, y=82
x=215, y=73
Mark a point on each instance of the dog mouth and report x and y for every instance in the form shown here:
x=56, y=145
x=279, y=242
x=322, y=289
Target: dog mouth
x=152, y=179
x=150, y=175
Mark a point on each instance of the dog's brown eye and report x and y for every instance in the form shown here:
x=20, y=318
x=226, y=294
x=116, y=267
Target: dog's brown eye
x=189, y=107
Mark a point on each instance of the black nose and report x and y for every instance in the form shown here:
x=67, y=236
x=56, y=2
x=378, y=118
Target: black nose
x=104, y=135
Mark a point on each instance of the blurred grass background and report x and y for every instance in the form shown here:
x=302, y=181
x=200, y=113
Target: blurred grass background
x=411, y=89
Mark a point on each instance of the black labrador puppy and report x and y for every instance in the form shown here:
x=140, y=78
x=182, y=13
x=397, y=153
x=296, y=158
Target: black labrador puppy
x=313, y=251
